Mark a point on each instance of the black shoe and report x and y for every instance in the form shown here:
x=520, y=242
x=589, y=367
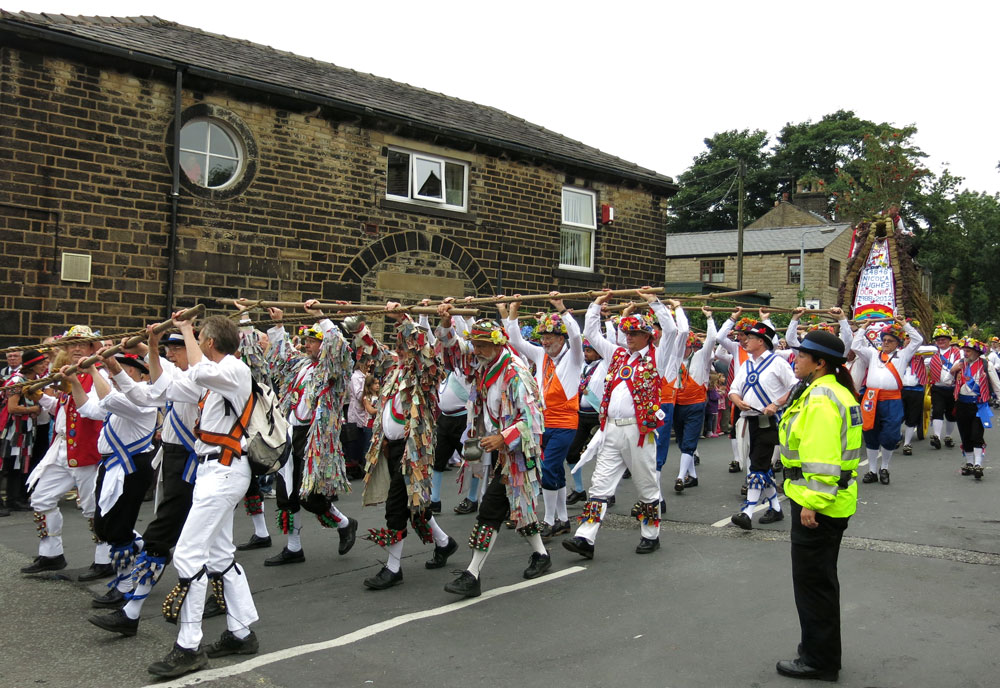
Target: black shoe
x=611, y=500
x=116, y=622
x=663, y=507
x=212, y=608
x=96, y=571
x=678, y=485
x=627, y=474
x=579, y=546
x=742, y=520
x=883, y=476
x=510, y=523
x=112, y=599
x=229, y=644
x=771, y=516
x=870, y=477
x=647, y=546
x=255, y=542
x=178, y=662
x=907, y=450
x=977, y=472
x=935, y=441
x=574, y=497
x=348, y=536
x=465, y=585
x=743, y=490
x=538, y=565
x=697, y=458
x=467, y=507
x=4, y=511
x=734, y=467
x=778, y=466
x=45, y=564
x=967, y=469
x=796, y=668
x=285, y=556
x=435, y=507
x=441, y=554
x=558, y=528
x=948, y=442
x=690, y=482
x=18, y=505
x=384, y=579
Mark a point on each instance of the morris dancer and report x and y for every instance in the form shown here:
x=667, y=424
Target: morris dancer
x=507, y=418
x=399, y=461
x=71, y=461
x=312, y=391
x=592, y=377
x=692, y=393
x=882, y=405
x=914, y=390
x=126, y=470
x=20, y=439
x=217, y=381
x=558, y=363
x=759, y=390
x=944, y=356
x=630, y=415
x=976, y=383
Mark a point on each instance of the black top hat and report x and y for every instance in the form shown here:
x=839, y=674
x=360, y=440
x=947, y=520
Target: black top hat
x=763, y=331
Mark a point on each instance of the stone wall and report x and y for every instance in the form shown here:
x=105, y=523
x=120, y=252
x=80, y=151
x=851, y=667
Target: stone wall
x=85, y=167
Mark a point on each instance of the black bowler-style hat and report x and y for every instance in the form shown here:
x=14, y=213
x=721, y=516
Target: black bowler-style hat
x=824, y=344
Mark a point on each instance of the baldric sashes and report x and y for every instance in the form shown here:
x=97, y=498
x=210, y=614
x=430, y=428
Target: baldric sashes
x=118, y=464
x=186, y=438
x=753, y=383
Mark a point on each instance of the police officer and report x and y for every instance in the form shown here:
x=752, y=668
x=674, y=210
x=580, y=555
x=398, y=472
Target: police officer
x=820, y=435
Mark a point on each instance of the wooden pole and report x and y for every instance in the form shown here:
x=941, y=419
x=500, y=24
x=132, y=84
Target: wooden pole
x=159, y=328
x=366, y=308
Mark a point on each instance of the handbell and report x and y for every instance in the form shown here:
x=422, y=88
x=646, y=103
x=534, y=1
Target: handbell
x=472, y=451
x=353, y=324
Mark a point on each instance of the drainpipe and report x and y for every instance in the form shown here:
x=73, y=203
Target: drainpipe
x=175, y=192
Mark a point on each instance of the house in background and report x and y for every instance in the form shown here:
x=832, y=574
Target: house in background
x=772, y=251
x=146, y=165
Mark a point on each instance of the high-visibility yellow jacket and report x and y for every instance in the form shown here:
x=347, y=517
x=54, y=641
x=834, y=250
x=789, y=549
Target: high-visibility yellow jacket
x=820, y=433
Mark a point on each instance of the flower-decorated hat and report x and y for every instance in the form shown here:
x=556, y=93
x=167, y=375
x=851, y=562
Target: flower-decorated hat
x=943, y=330
x=487, y=330
x=635, y=323
x=551, y=324
x=894, y=330
x=974, y=344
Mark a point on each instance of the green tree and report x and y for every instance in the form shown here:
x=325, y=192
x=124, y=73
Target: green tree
x=707, y=199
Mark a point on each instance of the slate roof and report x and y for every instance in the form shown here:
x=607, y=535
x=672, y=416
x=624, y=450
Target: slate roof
x=148, y=37
x=772, y=240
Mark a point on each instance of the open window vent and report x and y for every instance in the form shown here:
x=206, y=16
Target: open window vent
x=75, y=267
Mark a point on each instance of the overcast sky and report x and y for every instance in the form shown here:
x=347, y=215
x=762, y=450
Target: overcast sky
x=649, y=81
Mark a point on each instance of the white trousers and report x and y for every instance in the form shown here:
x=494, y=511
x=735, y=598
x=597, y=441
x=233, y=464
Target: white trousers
x=56, y=480
x=621, y=451
x=206, y=546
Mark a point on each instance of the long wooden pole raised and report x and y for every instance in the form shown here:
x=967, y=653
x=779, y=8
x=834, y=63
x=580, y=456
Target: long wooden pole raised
x=189, y=314
x=367, y=308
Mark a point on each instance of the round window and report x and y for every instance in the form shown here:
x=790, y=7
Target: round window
x=211, y=156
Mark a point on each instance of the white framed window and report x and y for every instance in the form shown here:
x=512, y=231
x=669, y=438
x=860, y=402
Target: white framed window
x=579, y=229
x=211, y=153
x=427, y=179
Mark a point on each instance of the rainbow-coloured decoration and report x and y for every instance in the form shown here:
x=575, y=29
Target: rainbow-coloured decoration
x=873, y=311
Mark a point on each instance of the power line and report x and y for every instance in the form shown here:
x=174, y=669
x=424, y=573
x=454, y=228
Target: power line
x=710, y=193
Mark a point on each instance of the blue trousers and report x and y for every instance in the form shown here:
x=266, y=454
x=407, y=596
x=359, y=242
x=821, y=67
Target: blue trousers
x=555, y=447
x=663, y=435
x=888, y=418
x=688, y=420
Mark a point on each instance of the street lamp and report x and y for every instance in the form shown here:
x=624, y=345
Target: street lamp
x=802, y=260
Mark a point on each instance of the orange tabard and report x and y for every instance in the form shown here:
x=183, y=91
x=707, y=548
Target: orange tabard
x=668, y=392
x=690, y=392
x=560, y=412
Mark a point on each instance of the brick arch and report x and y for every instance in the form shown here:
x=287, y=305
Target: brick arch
x=401, y=242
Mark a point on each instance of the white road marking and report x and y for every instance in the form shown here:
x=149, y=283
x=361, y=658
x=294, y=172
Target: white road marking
x=200, y=677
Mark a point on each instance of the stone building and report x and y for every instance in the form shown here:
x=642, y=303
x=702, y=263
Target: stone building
x=771, y=255
x=146, y=165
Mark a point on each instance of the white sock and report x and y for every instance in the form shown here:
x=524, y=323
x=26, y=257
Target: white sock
x=440, y=537
x=549, y=497
x=395, y=555
x=536, y=543
x=979, y=456
x=295, y=540
x=259, y=525
x=736, y=448
x=753, y=496
x=241, y=633
x=133, y=608
x=908, y=435
x=102, y=553
x=872, y=460
x=771, y=495
x=949, y=428
x=936, y=426
x=344, y=521
x=692, y=470
x=686, y=461
x=561, y=513
x=886, y=456
x=479, y=557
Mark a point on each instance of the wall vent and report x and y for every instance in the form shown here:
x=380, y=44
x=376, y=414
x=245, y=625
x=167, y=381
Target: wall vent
x=75, y=267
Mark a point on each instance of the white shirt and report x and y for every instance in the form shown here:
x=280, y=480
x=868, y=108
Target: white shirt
x=128, y=421
x=390, y=428
x=355, y=406
x=568, y=362
x=776, y=378
x=154, y=395
x=227, y=379
x=843, y=328
x=879, y=376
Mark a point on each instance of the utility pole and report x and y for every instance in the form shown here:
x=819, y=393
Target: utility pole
x=739, y=229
